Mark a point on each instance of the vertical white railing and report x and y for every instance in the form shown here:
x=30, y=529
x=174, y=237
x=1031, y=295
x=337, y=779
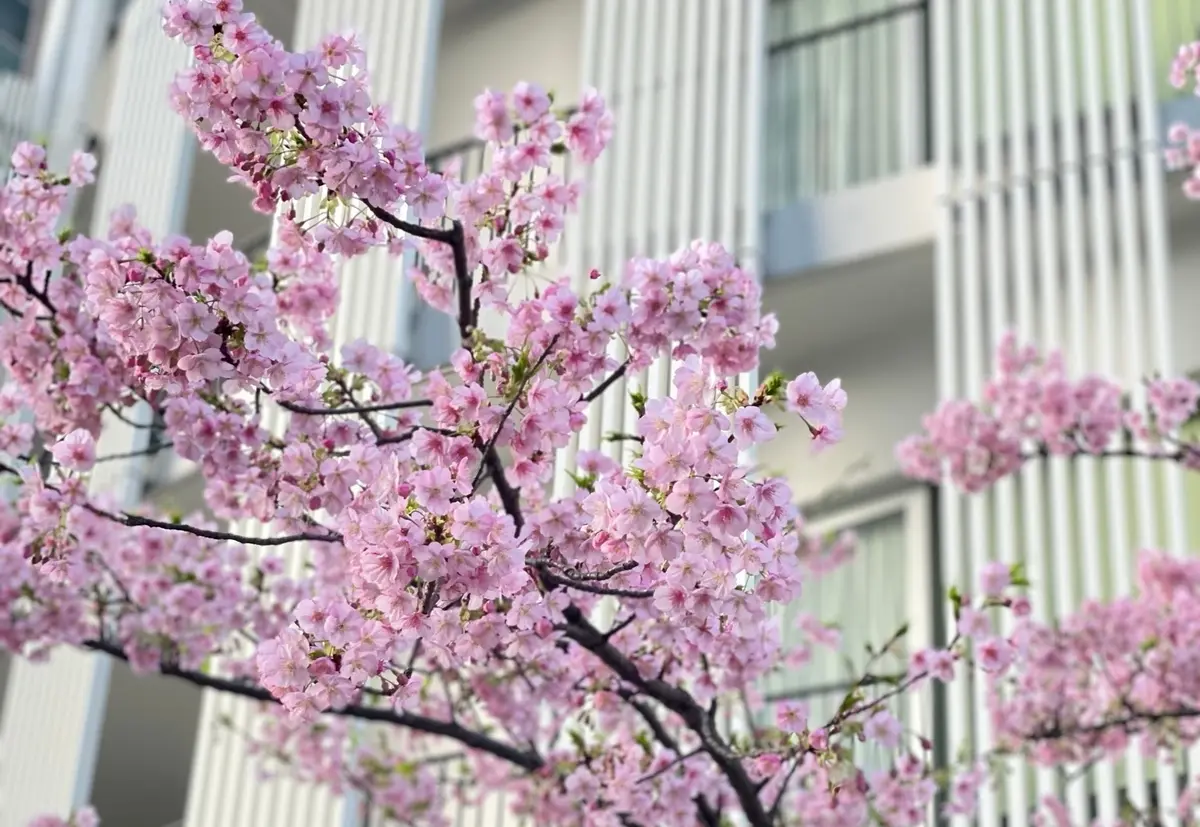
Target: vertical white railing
x=950, y=528
x=1088, y=275
x=695, y=126
x=401, y=42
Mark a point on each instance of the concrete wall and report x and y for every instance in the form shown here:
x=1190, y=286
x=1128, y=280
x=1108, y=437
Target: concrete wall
x=496, y=46
x=145, y=749
x=871, y=323
x=891, y=384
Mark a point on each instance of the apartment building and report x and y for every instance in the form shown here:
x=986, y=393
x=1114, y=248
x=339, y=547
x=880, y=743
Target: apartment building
x=908, y=178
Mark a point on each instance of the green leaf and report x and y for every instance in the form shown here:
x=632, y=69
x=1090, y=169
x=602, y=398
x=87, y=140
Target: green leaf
x=638, y=400
x=584, y=481
x=853, y=697
x=1017, y=575
x=956, y=600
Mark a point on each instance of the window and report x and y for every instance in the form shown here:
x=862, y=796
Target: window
x=14, y=27
x=890, y=581
x=847, y=94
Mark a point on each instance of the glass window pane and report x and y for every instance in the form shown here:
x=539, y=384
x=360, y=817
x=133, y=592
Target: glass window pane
x=14, y=19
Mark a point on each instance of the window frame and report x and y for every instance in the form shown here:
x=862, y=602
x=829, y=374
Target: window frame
x=916, y=504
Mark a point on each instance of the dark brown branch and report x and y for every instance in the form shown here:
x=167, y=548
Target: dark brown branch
x=525, y=380
x=1125, y=722
x=43, y=297
x=407, y=435
x=455, y=237
x=591, y=587
x=112, y=409
x=135, y=521
x=145, y=452
x=677, y=700
x=709, y=815
x=787, y=779
x=607, y=383
x=446, y=236
x=510, y=498
x=607, y=574
x=525, y=759
x=678, y=760
x=355, y=409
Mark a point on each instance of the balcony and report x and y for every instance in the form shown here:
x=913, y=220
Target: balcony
x=848, y=124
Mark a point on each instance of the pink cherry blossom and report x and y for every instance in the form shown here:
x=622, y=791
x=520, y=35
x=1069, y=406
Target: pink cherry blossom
x=76, y=450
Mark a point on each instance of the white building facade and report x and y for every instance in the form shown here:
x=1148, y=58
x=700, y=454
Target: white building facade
x=909, y=179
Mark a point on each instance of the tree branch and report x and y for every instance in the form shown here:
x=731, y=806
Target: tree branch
x=446, y=236
x=489, y=446
x=591, y=587
x=709, y=815
x=355, y=409
x=510, y=498
x=455, y=237
x=112, y=409
x=145, y=452
x=525, y=759
x=134, y=521
x=607, y=383
x=1125, y=722
x=677, y=700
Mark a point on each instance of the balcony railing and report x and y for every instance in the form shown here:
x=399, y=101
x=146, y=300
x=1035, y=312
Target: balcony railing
x=849, y=84
x=847, y=91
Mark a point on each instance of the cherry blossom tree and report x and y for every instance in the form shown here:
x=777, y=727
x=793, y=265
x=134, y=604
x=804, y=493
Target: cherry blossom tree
x=383, y=564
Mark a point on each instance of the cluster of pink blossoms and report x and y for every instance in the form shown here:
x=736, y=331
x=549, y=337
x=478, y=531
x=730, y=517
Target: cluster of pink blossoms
x=69, y=370
x=70, y=574
x=1031, y=407
x=1111, y=673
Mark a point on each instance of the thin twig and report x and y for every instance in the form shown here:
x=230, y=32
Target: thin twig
x=525, y=380
x=355, y=409
x=607, y=383
x=135, y=521
x=552, y=577
x=146, y=452
x=525, y=759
